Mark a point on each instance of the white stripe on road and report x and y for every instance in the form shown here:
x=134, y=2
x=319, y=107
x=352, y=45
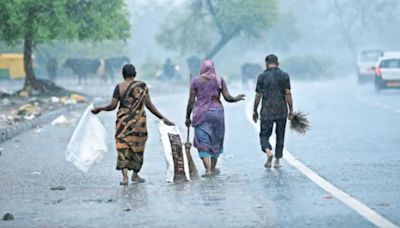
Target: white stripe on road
x=350, y=201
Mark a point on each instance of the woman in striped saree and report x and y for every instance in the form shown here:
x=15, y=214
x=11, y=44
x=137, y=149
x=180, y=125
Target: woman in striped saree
x=131, y=130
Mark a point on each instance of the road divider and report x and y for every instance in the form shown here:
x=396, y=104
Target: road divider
x=18, y=128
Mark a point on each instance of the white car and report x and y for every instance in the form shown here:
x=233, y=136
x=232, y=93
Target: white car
x=387, y=71
x=366, y=61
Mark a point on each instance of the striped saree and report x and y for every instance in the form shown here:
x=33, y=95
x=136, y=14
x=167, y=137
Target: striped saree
x=131, y=130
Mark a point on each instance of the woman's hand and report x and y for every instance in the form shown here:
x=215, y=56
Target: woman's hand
x=96, y=110
x=188, y=122
x=240, y=97
x=167, y=122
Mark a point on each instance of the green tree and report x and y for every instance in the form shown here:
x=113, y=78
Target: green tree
x=358, y=19
x=35, y=22
x=206, y=26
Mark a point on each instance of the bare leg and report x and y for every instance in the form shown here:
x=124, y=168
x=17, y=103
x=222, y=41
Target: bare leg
x=213, y=163
x=207, y=166
x=270, y=156
x=125, y=178
x=214, y=170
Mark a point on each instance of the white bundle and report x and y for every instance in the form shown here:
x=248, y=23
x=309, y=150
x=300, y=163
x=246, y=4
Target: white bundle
x=88, y=143
x=173, y=147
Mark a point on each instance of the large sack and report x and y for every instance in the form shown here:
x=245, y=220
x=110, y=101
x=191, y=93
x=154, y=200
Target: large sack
x=88, y=143
x=174, y=151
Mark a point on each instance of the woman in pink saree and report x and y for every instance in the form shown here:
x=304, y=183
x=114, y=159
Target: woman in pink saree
x=208, y=115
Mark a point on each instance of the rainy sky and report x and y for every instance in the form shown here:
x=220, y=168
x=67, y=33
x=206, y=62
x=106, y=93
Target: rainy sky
x=304, y=28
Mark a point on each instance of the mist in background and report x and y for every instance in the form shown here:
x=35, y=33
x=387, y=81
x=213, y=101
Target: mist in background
x=320, y=34
x=304, y=30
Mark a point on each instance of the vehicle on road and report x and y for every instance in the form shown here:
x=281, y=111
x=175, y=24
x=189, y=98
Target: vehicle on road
x=387, y=71
x=366, y=61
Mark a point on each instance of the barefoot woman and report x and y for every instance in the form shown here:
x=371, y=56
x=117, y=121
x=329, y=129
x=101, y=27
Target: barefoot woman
x=131, y=131
x=208, y=114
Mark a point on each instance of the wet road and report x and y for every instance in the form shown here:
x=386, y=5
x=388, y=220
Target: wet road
x=353, y=144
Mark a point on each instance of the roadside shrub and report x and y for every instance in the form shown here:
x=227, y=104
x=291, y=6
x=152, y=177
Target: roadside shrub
x=308, y=67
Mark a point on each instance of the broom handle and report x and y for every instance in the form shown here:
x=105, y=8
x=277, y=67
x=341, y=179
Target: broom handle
x=188, y=134
x=188, y=128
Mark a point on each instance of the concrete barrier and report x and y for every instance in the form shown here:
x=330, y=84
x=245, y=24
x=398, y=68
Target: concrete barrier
x=12, y=131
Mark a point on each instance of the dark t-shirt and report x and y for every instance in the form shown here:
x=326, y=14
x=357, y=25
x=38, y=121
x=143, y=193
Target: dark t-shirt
x=272, y=85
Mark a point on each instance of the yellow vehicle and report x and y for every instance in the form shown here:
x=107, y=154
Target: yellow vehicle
x=12, y=66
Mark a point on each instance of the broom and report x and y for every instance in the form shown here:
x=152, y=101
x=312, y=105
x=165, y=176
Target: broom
x=299, y=123
x=194, y=175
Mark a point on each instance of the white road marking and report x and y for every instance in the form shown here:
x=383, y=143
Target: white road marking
x=350, y=201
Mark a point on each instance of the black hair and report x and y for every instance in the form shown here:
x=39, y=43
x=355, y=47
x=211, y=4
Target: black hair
x=128, y=70
x=271, y=59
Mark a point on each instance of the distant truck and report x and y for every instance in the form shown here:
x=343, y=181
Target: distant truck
x=366, y=61
x=12, y=66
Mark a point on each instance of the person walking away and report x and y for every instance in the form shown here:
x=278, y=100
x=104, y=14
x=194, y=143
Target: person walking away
x=101, y=71
x=168, y=71
x=208, y=115
x=273, y=88
x=131, y=128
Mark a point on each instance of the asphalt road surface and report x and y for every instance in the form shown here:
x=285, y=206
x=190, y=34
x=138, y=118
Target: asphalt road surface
x=354, y=144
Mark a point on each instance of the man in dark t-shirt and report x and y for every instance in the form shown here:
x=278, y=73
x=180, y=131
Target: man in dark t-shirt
x=273, y=88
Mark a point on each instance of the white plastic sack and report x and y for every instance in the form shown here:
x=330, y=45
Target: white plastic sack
x=88, y=143
x=174, y=151
x=60, y=120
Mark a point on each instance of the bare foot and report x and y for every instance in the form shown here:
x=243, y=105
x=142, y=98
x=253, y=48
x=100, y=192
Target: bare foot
x=216, y=172
x=276, y=164
x=268, y=164
x=124, y=181
x=207, y=174
x=136, y=178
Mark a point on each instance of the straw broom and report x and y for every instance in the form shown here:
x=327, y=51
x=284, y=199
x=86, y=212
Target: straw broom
x=194, y=175
x=299, y=123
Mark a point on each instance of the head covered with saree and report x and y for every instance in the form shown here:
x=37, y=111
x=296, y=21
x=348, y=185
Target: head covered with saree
x=207, y=70
x=208, y=112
